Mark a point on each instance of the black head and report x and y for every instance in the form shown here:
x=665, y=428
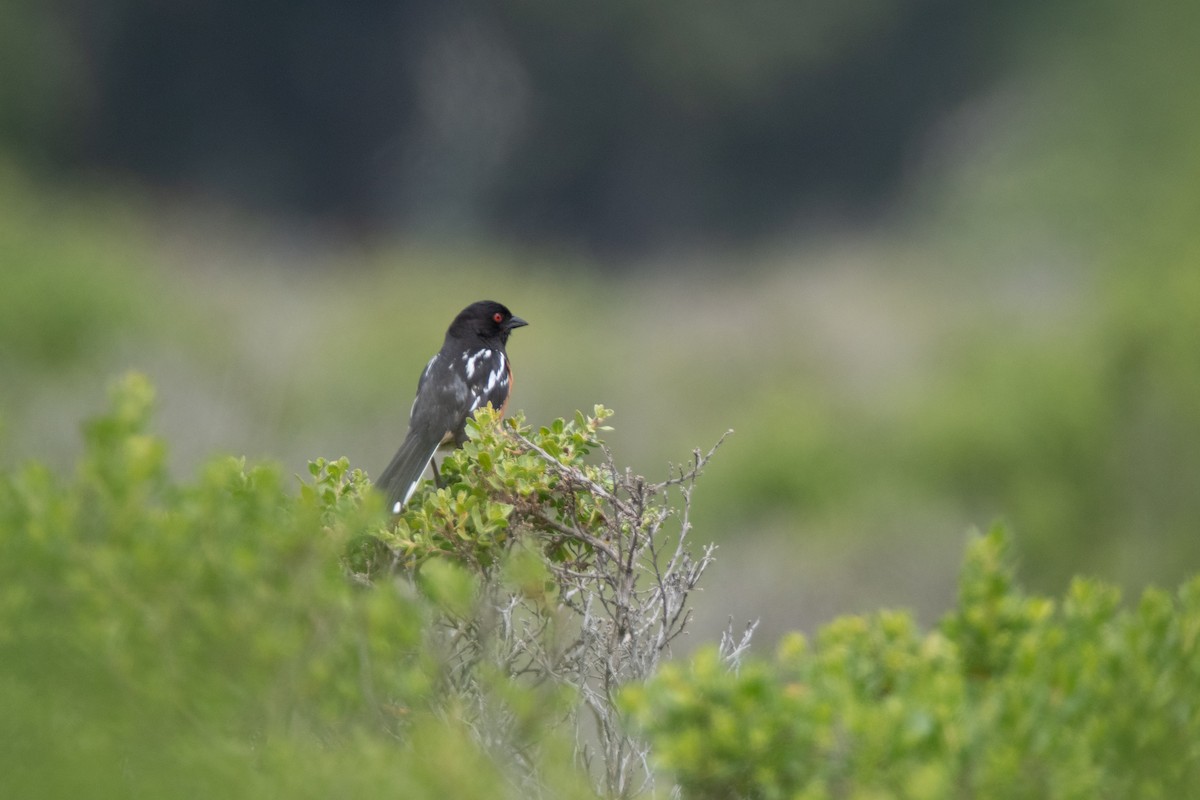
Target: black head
x=486, y=320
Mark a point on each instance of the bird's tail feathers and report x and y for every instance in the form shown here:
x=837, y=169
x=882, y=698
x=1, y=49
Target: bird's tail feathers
x=399, y=478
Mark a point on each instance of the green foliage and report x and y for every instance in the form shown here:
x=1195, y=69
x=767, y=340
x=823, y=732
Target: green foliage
x=197, y=639
x=571, y=577
x=1083, y=434
x=163, y=639
x=497, y=483
x=1081, y=430
x=74, y=276
x=1011, y=697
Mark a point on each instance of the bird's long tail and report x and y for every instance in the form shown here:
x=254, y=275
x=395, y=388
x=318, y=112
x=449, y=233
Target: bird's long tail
x=399, y=478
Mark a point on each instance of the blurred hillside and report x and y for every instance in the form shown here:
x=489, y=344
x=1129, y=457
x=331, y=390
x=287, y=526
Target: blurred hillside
x=933, y=265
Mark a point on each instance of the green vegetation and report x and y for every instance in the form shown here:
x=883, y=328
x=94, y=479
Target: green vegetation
x=1015, y=340
x=1078, y=424
x=71, y=278
x=160, y=639
x=1012, y=696
x=231, y=636
x=493, y=484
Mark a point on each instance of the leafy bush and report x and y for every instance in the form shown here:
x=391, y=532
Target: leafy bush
x=573, y=576
x=159, y=639
x=1012, y=696
x=230, y=638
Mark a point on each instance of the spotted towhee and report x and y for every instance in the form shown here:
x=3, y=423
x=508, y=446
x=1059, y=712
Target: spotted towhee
x=470, y=371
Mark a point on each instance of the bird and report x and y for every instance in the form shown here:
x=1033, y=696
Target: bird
x=469, y=372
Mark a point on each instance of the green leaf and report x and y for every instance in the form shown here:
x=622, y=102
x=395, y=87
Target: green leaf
x=448, y=585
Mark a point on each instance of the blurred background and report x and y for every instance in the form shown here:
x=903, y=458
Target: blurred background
x=937, y=264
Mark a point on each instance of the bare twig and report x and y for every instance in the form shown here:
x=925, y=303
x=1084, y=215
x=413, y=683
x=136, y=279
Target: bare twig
x=618, y=607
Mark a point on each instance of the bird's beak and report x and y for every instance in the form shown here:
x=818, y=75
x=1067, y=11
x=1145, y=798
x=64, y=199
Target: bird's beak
x=516, y=322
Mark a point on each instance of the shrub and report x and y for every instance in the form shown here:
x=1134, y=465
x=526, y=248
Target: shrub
x=1012, y=696
x=572, y=576
x=230, y=637
x=162, y=639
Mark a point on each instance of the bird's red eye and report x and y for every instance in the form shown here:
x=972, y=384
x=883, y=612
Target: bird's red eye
x=497, y=317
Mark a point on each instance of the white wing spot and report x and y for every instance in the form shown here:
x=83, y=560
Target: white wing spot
x=499, y=375
x=478, y=354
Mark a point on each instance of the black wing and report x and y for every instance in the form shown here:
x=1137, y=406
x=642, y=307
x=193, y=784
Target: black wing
x=441, y=395
x=449, y=391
